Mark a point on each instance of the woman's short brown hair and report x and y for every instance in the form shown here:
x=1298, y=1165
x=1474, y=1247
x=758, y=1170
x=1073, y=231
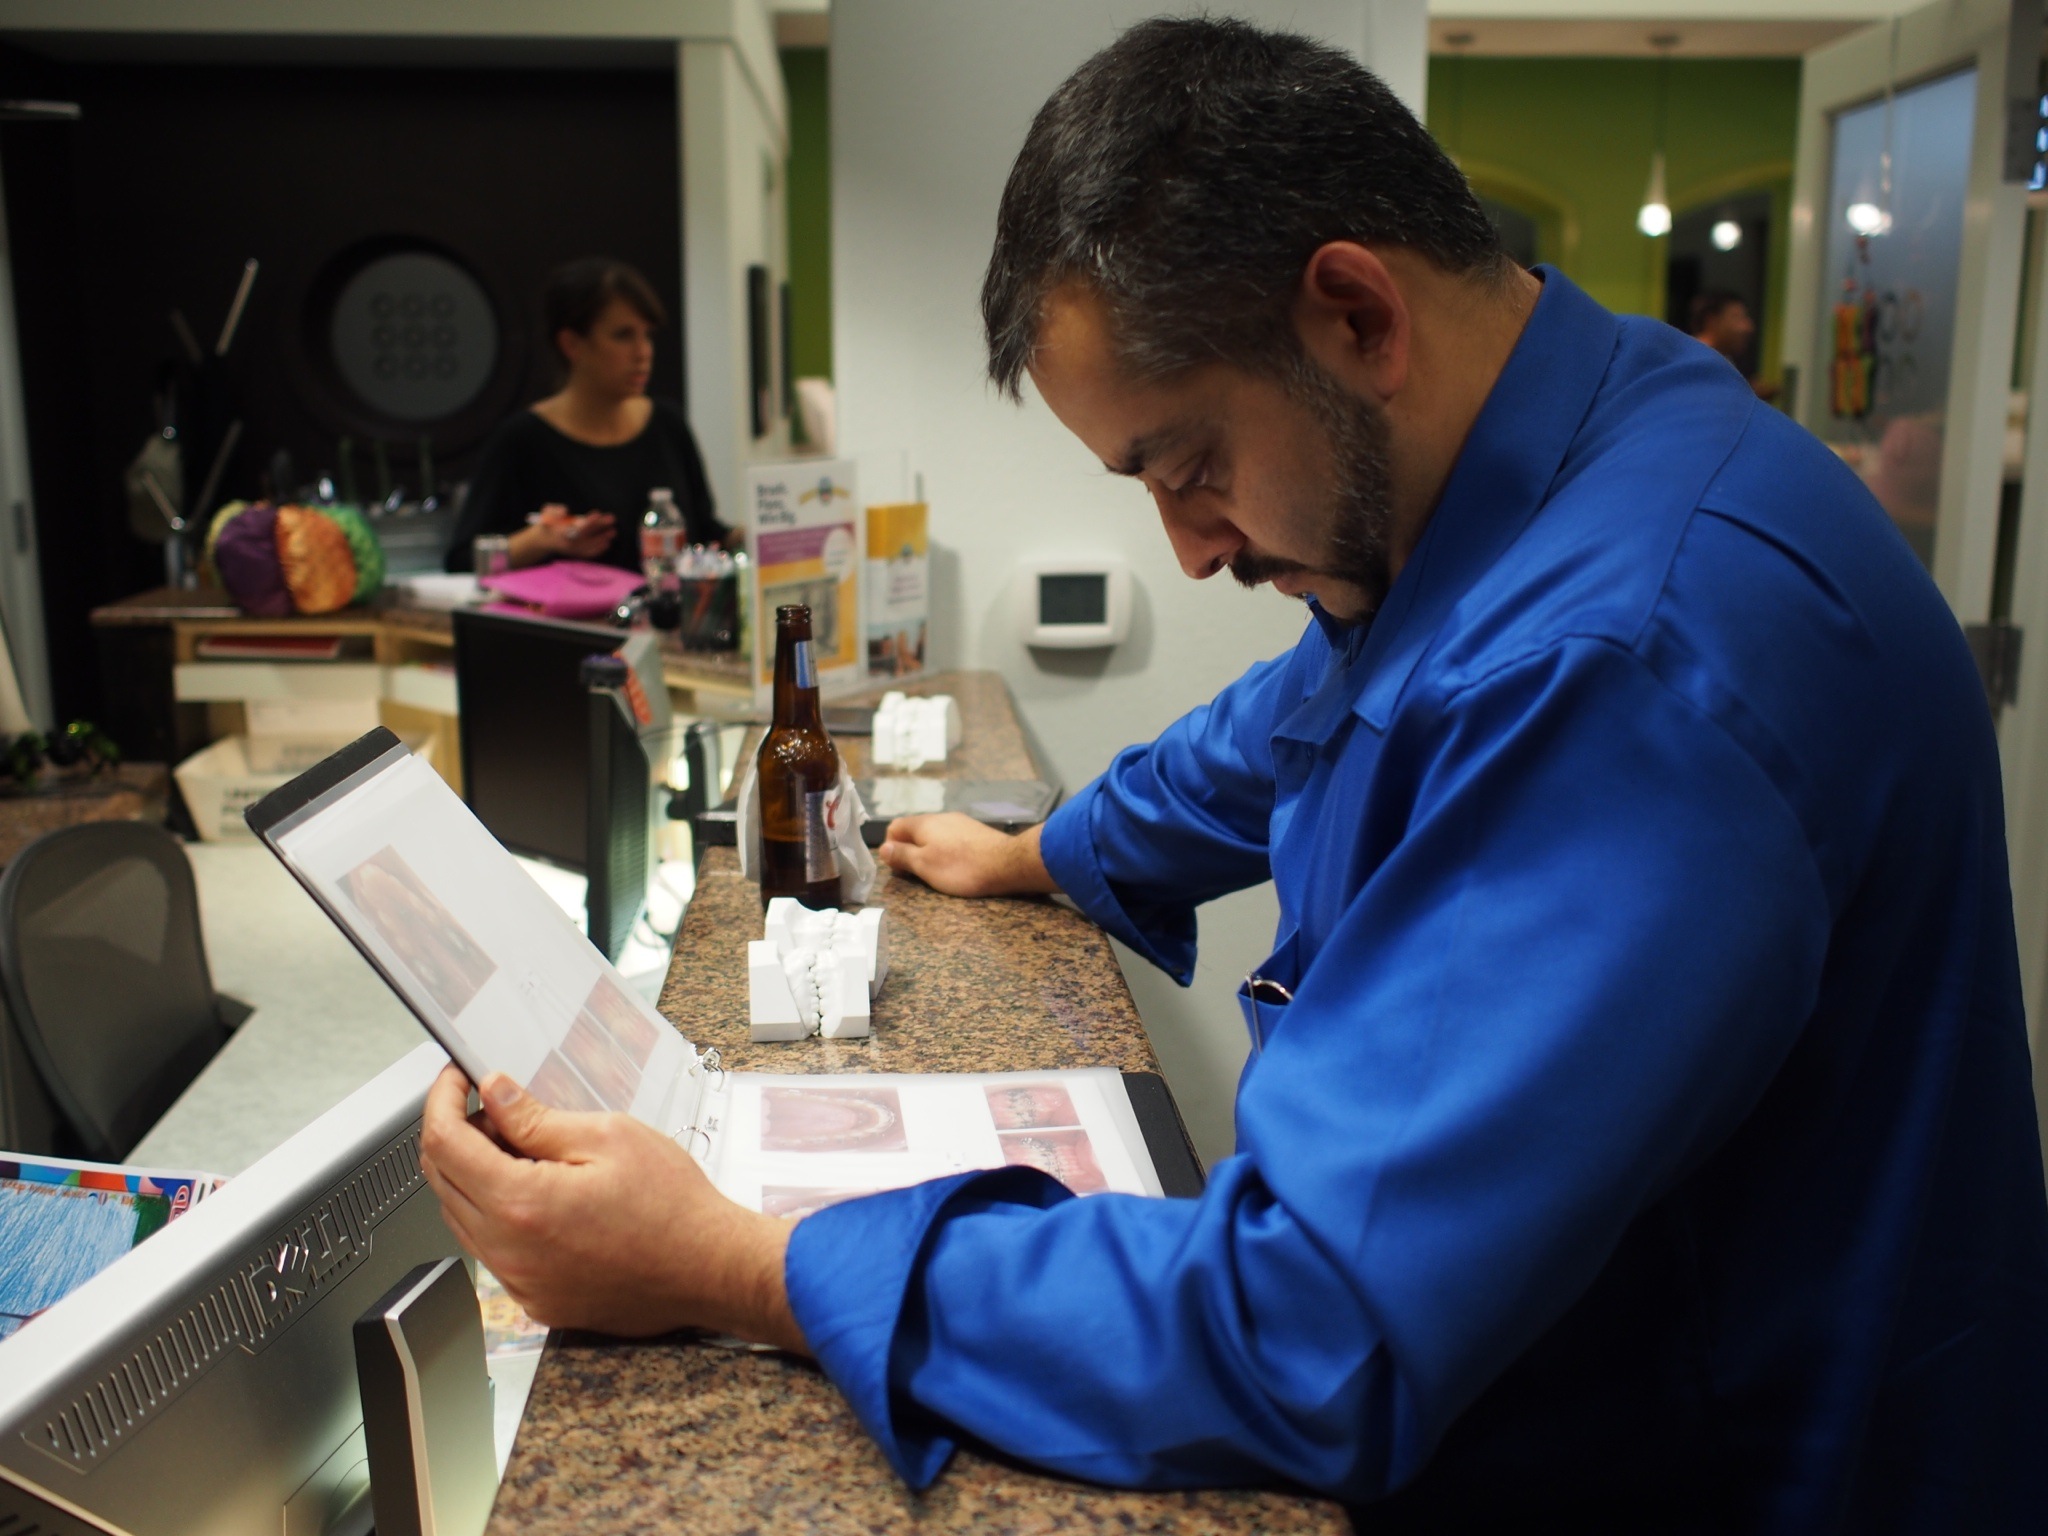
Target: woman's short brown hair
x=581, y=290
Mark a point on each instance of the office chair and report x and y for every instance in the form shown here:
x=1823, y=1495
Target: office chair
x=702, y=752
x=108, y=993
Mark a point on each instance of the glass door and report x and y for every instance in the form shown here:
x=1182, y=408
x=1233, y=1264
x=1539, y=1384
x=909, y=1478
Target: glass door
x=1893, y=223
x=1903, y=290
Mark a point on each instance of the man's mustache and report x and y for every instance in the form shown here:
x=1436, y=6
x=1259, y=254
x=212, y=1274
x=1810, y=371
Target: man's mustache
x=1251, y=570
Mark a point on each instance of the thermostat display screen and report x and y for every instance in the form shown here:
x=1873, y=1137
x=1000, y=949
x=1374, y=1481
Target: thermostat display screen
x=1073, y=599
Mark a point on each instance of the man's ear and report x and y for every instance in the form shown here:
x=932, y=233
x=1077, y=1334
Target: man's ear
x=1353, y=318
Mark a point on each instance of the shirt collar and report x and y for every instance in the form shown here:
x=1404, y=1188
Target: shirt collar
x=1502, y=476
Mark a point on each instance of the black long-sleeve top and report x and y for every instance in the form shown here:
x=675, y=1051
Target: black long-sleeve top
x=527, y=464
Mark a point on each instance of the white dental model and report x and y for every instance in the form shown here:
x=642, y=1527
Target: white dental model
x=815, y=973
x=908, y=733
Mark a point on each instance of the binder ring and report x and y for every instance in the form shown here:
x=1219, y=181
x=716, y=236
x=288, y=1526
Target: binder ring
x=696, y=1130
x=711, y=1063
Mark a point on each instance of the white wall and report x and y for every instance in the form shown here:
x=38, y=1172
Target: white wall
x=930, y=102
x=735, y=155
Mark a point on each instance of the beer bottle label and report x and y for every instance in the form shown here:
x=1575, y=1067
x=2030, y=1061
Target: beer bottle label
x=806, y=667
x=821, y=854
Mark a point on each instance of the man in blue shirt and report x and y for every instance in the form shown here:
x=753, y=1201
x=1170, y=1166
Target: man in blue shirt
x=1638, y=1130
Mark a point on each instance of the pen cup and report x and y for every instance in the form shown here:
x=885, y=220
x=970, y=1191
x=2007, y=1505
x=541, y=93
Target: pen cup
x=491, y=554
x=710, y=617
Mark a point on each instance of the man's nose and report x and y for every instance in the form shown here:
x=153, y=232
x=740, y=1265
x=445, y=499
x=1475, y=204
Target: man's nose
x=1203, y=542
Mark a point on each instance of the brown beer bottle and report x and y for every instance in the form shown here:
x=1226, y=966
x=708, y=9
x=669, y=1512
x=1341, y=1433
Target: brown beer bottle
x=798, y=787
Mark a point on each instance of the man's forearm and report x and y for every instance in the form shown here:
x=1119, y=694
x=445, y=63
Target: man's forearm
x=755, y=1298
x=1026, y=873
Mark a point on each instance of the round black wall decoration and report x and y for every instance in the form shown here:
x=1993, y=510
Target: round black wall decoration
x=413, y=336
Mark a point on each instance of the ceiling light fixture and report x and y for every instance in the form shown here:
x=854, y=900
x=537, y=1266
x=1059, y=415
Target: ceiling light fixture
x=1654, y=217
x=1726, y=235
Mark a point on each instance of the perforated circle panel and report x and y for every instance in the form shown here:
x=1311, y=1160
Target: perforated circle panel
x=414, y=336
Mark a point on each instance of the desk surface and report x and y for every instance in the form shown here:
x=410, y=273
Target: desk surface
x=673, y=1432
x=207, y=610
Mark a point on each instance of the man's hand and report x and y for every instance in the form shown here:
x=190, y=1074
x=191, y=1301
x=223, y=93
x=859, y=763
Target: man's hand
x=963, y=857
x=599, y=1221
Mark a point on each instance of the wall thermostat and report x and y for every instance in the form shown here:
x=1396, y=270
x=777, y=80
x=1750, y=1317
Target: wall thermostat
x=1077, y=605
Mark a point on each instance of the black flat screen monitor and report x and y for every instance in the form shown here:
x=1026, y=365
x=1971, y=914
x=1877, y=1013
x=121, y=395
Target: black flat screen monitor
x=620, y=836
x=526, y=729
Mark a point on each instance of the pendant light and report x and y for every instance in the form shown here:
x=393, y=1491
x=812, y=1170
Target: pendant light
x=1654, y=217
x=1870, y=216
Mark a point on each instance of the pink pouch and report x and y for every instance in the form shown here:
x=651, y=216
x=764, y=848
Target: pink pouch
x=565, y=589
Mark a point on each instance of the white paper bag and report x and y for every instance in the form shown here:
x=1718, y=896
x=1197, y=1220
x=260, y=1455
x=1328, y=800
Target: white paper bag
x=845, y=813
x=856, y=863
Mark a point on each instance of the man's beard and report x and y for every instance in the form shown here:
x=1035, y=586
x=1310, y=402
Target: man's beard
x=1358, y=519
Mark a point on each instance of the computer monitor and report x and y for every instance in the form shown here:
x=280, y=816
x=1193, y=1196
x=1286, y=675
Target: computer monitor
x=620, y=835
x=206, y=1381
x=525, y=728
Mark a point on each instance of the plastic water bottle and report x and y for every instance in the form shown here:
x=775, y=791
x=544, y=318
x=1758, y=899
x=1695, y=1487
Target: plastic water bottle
x=662, y=533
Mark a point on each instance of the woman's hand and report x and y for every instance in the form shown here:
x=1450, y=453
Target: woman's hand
x=964, y=857
x=600, y=1221
x=555, y=535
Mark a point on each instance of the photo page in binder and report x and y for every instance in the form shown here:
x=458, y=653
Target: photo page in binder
x=498, y=972
x=790, y=1145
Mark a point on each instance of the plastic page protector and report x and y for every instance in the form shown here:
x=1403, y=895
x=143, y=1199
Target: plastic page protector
x=496, y=971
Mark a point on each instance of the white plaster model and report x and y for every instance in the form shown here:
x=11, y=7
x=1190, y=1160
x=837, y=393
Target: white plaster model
x=908, y=733
x=815, y=972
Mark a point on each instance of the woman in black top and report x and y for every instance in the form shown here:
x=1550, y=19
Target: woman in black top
x=569, y=476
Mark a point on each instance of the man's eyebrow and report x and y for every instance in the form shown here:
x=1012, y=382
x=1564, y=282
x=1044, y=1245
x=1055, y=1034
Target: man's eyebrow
x=1143, y=450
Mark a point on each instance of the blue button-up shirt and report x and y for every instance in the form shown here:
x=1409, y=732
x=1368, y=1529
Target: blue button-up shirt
x=1649, y=1142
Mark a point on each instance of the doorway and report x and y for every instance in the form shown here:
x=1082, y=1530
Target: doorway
x=1720, y=247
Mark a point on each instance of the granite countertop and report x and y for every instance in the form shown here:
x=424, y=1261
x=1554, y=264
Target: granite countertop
x=675, y=1433
x=993, y=739
x=125, y=792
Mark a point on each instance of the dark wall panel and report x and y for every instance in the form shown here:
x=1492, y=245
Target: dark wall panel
x=175, y=175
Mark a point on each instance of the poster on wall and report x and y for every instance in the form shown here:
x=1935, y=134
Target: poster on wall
x=898, y=592
x=808, y=537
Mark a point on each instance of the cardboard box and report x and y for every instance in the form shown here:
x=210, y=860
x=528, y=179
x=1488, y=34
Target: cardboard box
x=222, y=781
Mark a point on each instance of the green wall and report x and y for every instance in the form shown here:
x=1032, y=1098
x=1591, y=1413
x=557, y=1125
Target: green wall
x=1568, y=141
x=806, y=76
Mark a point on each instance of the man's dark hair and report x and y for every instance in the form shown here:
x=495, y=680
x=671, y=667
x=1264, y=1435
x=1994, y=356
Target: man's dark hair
x=581, y=290
x=1707, y=307
x=1188, y=171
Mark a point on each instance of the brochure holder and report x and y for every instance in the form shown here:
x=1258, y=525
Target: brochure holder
x=807, y=535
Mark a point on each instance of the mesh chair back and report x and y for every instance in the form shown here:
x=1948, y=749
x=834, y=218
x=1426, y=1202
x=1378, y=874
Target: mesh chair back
x=105, y=976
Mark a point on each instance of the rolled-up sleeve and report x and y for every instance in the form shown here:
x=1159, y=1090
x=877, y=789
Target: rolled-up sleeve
x=1179, y=821
x=1570, y=980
